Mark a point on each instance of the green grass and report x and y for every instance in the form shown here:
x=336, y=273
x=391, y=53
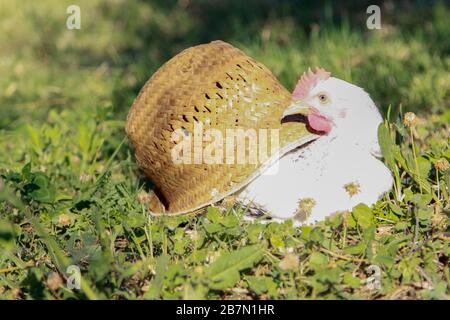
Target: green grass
x=71, y=194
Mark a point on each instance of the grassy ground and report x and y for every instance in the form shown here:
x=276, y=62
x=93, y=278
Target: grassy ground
x=71, y=194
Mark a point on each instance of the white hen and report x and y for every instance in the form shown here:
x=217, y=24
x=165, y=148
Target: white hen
x=333, y=173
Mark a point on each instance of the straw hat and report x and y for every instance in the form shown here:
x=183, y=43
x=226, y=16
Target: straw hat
x=210, y=86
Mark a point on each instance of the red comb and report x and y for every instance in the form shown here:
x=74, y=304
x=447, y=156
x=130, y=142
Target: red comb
x=307, y=81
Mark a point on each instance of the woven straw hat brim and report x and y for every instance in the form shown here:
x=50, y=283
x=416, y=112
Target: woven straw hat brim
x=155, y=206
x=220, y=87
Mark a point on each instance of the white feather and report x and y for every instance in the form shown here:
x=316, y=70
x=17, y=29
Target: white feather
x=320, y=170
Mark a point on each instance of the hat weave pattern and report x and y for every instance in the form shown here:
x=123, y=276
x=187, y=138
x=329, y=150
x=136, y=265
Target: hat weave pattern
x=219, y=87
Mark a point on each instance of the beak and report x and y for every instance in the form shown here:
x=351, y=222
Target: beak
x=299, y=107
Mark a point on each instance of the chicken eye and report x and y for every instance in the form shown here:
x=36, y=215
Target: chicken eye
x=323, y=98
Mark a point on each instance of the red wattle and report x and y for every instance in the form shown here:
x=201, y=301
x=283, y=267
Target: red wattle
x=319, y=122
